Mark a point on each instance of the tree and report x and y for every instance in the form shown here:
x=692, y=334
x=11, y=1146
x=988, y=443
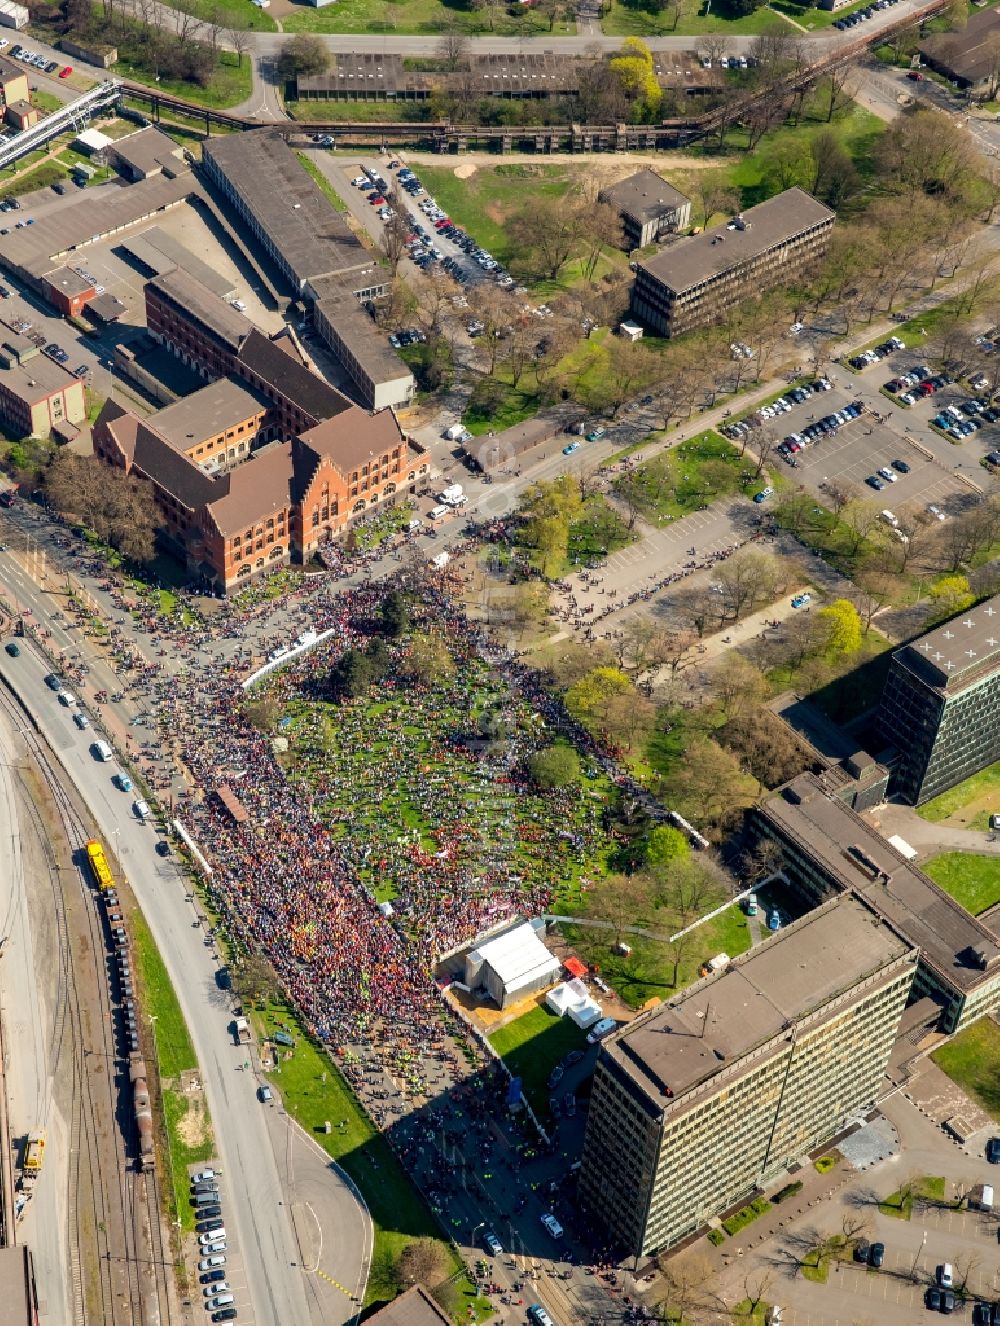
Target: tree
x=263, y=714
x=256, y=980
x=858, y=519
x=423, y=1261
x=238, y=37
x=588, y=699
x=714, y=194
x=634, y=69
x=600, y=227
x=395, y=613
x=664, y=845
x=396, y=231
x=708, y=786
x=303, y=56
x=737, y=686
x=543, y=234
x=429, y=660
x=555, y=766
x=621, y=900
x=874, y=590
x=749, y=579
x=843, y=625
x=453, y=48
x=951, y=595
x=120, y=508
x=765, y=746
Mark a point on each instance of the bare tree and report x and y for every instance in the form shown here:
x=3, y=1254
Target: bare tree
x=239, y=39
x=453, y=48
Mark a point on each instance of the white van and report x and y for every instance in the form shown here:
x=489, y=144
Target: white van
x=220, y=1301
x=102, y=750
x=439, y=511
x=601, y=1029
x=140, y=810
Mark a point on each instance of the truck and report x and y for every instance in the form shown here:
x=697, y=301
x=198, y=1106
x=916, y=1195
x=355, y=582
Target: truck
x=34, y=1157
x=241, y=1031
x=452, y=495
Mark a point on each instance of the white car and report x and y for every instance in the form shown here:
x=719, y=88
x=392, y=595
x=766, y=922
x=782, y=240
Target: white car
x=204, y=1176
x=889, y=517
x=936, y=512
x=220, y=1287
x=552, y=1225
x=67, y=699
x=212, y=1237
x=890, y=476
x=239, y=306
x=211, y=1263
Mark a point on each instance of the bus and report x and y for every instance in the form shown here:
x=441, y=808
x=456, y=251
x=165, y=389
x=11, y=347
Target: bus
x=99, y=865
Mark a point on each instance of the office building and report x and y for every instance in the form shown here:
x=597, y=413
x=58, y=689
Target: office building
x=829, y=848
x=941, y=705
x=381, y=378
x=38, y=397
x=648, y=206
x=696, y=281
x=706, y=1098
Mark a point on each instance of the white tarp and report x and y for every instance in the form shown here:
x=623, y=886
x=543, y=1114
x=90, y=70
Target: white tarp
x=903, y=847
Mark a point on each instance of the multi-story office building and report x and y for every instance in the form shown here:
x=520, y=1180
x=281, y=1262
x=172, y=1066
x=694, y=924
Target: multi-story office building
x=941, y=704
x=709, y=1096
x=828, y=848
x=697, y=280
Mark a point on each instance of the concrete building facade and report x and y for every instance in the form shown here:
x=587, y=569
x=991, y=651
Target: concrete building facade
x=695, y=281
x=39, y=396
x=703, y=1100
x=941, y=705
x=648, y=206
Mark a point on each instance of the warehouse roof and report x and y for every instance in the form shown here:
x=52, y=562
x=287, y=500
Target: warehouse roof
x=93, y=214
x=276, y=366
x=287, y=204
x=148, y=151
x=800, y=970
x=842, y=844
x=952, y=655
x=414, y=1308
x=698, y=258
x=363, y=339
x=159, y=251
x=253, y=491
x=644, y=195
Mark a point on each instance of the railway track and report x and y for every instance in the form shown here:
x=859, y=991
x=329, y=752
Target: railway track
x=113, y=1210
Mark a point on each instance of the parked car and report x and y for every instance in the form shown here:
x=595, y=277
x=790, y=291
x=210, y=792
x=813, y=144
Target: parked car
x=876, y=1255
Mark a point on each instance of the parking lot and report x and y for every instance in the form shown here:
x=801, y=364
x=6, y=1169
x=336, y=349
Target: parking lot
x=939, y=473
x=227, y=1278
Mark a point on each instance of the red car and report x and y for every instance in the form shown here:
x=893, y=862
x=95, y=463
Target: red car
x=445, y=221
x=377, y=201
x=66, y=71
x=917, y=77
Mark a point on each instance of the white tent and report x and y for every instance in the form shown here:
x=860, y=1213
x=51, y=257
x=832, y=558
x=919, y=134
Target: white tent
x=585, y=1014
x=512, y=965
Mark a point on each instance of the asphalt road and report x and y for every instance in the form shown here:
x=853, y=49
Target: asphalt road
x=254, y=1212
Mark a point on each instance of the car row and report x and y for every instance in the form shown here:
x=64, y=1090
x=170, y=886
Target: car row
x=796, y=396
x=861, y=15
x=867, y=357
x=816, y=431
x=217, y=1293
x=962, y=420
x=398, y=340
x=870, y=1254
x=885, y=475
x=54, y=352
x=37, y=61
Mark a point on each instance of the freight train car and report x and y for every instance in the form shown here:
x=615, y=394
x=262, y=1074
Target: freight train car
x=143, y=1111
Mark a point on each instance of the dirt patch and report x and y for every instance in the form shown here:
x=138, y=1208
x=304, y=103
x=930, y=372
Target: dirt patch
x=466, y=169
x=496, y=213
x=193, y=1129
x=601, y=167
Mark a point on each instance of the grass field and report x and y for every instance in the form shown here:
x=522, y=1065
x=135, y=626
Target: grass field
x=313, y=1091
x=417, y=16
x=677, y=481
x=230, y=85
x=972, y=880
x=622, y=21
x=532, y=1045
x=648, y=971
x=899, y=1204
x=972, y=1059
x=970, y=803
x=189, y=1139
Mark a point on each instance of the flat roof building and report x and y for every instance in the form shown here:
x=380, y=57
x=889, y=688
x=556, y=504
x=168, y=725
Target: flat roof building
x=383, y=380
x=703, y=1100
x=146, y=153
x=649, y=207
x=39, y=396
x=696, y=280
x=940, y=708
x=283, y=206
x=829, y=848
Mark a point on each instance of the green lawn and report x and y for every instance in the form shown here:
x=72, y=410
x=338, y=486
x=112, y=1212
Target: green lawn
x=981, y=787
x=532, y=1045
x=417, y=16
x=175, y=1055
x=900, y=1203
x=514, y=407
x=482, y=203
x=600, y=530
x=46, y=102
x=648, y=971
x=43, y=177
x=676, y=482
x=972, y=1059
x=230, y=85
x=361, y=112
x=972, y=880
x=624, y=21
x=312, y=169
x=313, y=1092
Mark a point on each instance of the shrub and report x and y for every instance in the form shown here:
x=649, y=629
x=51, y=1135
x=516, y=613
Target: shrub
x=789, y=1190
x=716, y=1237
x=825, y=1164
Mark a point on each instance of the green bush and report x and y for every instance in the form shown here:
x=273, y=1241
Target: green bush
x=789, y=1190
x=716, y=1237
x=825, y=1164
x=746, y=1215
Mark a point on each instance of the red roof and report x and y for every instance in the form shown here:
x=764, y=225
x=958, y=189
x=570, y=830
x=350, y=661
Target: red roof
x=575, y=967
